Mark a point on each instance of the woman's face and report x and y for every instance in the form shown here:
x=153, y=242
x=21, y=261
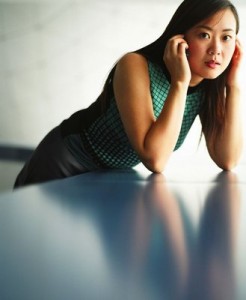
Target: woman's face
x=211, y=46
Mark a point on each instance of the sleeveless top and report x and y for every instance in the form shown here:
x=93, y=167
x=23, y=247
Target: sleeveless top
x=101, y=132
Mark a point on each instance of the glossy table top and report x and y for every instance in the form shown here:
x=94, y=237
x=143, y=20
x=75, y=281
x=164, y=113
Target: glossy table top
x=125, y=235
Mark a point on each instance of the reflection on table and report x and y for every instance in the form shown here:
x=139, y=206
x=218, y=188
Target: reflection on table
x=121, y=235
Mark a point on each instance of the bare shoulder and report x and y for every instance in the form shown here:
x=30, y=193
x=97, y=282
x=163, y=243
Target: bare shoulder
x=132, y=60
x=132, y=66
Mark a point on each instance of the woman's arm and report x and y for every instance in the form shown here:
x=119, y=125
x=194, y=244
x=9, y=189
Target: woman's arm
x=153, y=139
x=226, y=148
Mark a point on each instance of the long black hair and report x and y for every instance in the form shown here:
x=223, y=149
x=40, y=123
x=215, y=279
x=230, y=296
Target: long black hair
x=187, y=15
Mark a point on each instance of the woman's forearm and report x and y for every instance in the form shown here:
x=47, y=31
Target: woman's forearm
x=228, y=143
x=162, y=136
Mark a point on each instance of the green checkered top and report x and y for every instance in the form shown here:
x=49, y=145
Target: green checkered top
x=105, y=138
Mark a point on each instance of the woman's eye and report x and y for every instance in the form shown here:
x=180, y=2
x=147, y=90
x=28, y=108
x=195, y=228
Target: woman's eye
x=227, y=38
x=204, y=35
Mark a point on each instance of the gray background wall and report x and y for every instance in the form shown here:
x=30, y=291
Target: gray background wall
x=55, y=56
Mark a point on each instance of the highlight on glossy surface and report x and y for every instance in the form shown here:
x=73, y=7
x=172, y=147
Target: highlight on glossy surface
x=121, y=235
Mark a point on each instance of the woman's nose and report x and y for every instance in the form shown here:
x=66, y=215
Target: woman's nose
x=213, y=52
x=214, y=49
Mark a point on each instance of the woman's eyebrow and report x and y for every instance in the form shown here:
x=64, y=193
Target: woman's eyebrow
x=210, y=28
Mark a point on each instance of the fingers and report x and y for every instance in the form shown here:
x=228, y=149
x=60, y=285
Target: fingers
x=238, y=43
x=239, y=47
x=177, y=45
x=176, y=60
x=238, y=53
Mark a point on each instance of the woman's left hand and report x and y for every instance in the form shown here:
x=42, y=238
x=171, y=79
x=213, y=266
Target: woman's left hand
x=236, y=62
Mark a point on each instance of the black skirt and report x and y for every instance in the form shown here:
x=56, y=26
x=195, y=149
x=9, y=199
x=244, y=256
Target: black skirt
x=51, y=160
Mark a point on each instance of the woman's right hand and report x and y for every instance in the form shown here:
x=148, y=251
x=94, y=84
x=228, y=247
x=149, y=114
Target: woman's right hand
x=176, y=61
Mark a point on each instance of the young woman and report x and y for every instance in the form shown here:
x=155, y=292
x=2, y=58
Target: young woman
x=151, y=98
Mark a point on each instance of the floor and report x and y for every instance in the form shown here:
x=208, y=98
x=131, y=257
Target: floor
x=12, y=159
x=8, y=173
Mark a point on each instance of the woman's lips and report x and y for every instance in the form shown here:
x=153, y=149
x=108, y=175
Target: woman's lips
x=212, y=64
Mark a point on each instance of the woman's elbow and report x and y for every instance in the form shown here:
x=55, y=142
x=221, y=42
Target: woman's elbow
x=154, y=165
x=228, y=165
